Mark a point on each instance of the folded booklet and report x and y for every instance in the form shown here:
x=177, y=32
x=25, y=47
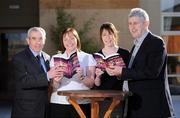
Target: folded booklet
x=69, y=65
x=111, y=60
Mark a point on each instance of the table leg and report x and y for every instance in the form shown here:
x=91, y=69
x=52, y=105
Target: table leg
x=115, y=102
x=94, y=109
x=77, y=107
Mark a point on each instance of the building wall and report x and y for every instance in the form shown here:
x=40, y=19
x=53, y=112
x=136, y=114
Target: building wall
x=115, y=11
x=117, y=17
x=88, y=4
x=153, y=9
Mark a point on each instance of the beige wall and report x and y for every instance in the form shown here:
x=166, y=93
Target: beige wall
x=114, y=11
x=89, y=4
x=48, y=18
x=153, y=9
x=117, y=16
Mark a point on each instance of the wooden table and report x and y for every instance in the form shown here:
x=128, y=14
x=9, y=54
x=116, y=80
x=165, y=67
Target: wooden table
x=95, y=96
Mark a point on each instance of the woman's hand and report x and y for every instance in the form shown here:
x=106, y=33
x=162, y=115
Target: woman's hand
x=98, y=73
x=79, y=73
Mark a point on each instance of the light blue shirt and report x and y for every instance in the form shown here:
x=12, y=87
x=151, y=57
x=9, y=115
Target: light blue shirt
x=137, y=43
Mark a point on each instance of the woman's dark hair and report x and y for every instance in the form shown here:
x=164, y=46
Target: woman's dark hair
x=111, y=29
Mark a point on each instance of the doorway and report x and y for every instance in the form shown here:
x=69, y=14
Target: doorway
x=11, y=42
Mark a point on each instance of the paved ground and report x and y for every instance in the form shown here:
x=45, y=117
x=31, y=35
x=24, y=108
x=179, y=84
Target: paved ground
x=5, y=108
x=176, y=103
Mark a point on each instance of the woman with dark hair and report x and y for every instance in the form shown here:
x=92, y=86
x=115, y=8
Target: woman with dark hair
x=109, y=37
x=82, y=80
x=103, y=81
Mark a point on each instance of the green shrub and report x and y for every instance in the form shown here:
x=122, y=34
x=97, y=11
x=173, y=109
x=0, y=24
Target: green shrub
x=64, y=20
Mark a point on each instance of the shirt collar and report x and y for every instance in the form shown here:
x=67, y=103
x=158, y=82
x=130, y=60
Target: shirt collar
x=138, y=41
x=66, y=55
x=35, y=53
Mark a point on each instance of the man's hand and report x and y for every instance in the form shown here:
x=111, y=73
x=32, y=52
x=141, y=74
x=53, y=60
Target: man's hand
x=114, y=70
x=55, y=72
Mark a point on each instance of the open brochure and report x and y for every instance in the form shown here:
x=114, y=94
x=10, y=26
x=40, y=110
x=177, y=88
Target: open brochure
x=69, y=65
x=111, y=60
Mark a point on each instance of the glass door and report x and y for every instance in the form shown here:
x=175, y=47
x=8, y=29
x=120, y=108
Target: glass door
x=11, y=42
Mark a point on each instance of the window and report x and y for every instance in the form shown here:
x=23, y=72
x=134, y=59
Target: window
x=170, y=30
x=170, y=23
x=16, y=43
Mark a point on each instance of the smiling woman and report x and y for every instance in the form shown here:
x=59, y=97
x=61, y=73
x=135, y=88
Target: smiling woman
x=60, y=107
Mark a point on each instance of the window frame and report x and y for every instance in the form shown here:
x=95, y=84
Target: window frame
x=168, y=14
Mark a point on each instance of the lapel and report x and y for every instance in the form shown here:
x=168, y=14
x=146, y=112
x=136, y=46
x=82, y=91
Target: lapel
x=142, y=48
x=34, y=61
x=46, y=58
x=32, y=58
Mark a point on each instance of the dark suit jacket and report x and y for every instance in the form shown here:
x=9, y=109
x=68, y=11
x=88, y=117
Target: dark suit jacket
x=31, y=90
x=148, y=81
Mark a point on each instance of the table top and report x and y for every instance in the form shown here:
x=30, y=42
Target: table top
x=95, y=93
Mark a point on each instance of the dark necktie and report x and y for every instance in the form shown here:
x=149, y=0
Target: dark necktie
x=39, y=62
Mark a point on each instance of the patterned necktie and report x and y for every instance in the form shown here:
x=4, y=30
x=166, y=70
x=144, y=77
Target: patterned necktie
x=38, y=57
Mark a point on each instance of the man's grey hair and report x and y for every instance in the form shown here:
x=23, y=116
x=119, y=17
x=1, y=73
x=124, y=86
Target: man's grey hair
x=139, y=12
x=37, y=29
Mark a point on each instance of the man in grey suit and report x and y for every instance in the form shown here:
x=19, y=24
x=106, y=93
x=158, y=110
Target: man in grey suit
x=32, y=75
x=146, y=75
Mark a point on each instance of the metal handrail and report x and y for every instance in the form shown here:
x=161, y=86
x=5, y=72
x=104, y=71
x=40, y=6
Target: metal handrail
x=173, y=75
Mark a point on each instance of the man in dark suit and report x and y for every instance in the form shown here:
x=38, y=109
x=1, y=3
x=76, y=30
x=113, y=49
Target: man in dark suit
x=32, y=76
x=146, y=75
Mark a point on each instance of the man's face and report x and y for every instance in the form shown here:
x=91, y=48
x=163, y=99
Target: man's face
x=137, y=27
x=36, y=41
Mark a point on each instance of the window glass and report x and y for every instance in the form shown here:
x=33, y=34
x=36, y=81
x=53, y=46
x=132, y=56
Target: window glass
x=16, y=42
x=170, y=5
x=171, y=23
x=170, y=30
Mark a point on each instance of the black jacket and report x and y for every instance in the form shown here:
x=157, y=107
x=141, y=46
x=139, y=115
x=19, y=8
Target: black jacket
x=148, y=81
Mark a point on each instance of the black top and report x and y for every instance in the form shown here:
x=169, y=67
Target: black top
x=111, y=82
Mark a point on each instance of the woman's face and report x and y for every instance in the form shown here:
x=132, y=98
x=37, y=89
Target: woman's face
x=70, y=42
x=108, y=38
